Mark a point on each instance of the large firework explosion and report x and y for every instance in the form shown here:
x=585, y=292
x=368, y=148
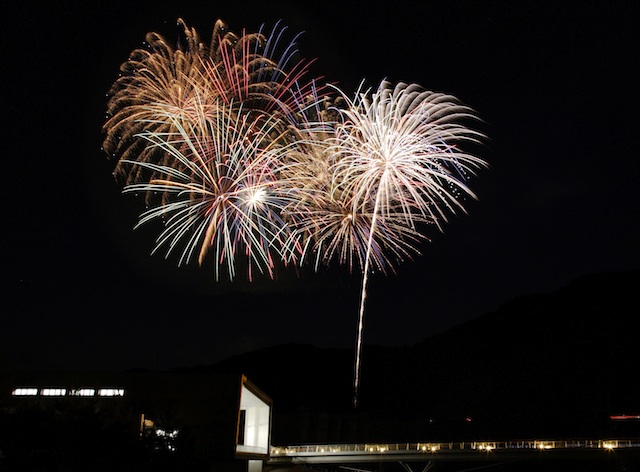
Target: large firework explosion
x=254, y=159
x=221, y=189
x=252, y=72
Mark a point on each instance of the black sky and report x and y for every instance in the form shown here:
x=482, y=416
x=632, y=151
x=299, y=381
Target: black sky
x=556, y=84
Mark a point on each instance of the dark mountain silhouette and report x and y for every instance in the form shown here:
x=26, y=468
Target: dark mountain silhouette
x=552, y=365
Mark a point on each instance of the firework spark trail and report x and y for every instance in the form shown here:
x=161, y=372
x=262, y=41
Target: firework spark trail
x=398, y=149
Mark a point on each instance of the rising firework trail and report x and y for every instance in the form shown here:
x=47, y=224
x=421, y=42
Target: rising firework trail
x=397, y=158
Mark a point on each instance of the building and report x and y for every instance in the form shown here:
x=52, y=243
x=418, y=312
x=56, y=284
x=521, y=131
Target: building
x=207, y=419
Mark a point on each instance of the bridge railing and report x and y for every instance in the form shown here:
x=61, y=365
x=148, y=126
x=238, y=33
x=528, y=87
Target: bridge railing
x=436, y=447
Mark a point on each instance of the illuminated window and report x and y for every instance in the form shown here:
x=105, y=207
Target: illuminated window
x=111, y=392
x=83, y=392
x=53, y=392
x=24, y=392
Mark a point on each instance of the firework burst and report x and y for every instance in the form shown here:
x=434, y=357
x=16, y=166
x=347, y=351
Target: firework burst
x=258, y=72
x=252, y=159
x=397, y=161
x=324, y=218
x=399, y=148
x=154, y=80
x=253, y=73
x=225, y=196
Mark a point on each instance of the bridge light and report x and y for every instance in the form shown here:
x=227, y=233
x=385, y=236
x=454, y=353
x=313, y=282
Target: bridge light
x=544, y=445
x=485, y=447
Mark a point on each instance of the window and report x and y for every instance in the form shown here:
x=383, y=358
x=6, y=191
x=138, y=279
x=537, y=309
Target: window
x=61, y=392
x=83, y=392
x=53, y=392
x=24, y=392
x=111, y=392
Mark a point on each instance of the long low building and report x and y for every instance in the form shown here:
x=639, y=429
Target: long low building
x=214, y=419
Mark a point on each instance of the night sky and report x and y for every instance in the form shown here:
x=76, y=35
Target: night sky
x=556, y=84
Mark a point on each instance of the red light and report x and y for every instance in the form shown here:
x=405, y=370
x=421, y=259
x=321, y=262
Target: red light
x=624, y=417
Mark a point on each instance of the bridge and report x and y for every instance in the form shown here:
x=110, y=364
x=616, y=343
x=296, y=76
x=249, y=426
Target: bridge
x=421, y=457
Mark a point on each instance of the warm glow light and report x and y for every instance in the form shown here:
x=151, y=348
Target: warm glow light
x=544, y=445
x=488, y=447
x=429, y=447
x=485, y=447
